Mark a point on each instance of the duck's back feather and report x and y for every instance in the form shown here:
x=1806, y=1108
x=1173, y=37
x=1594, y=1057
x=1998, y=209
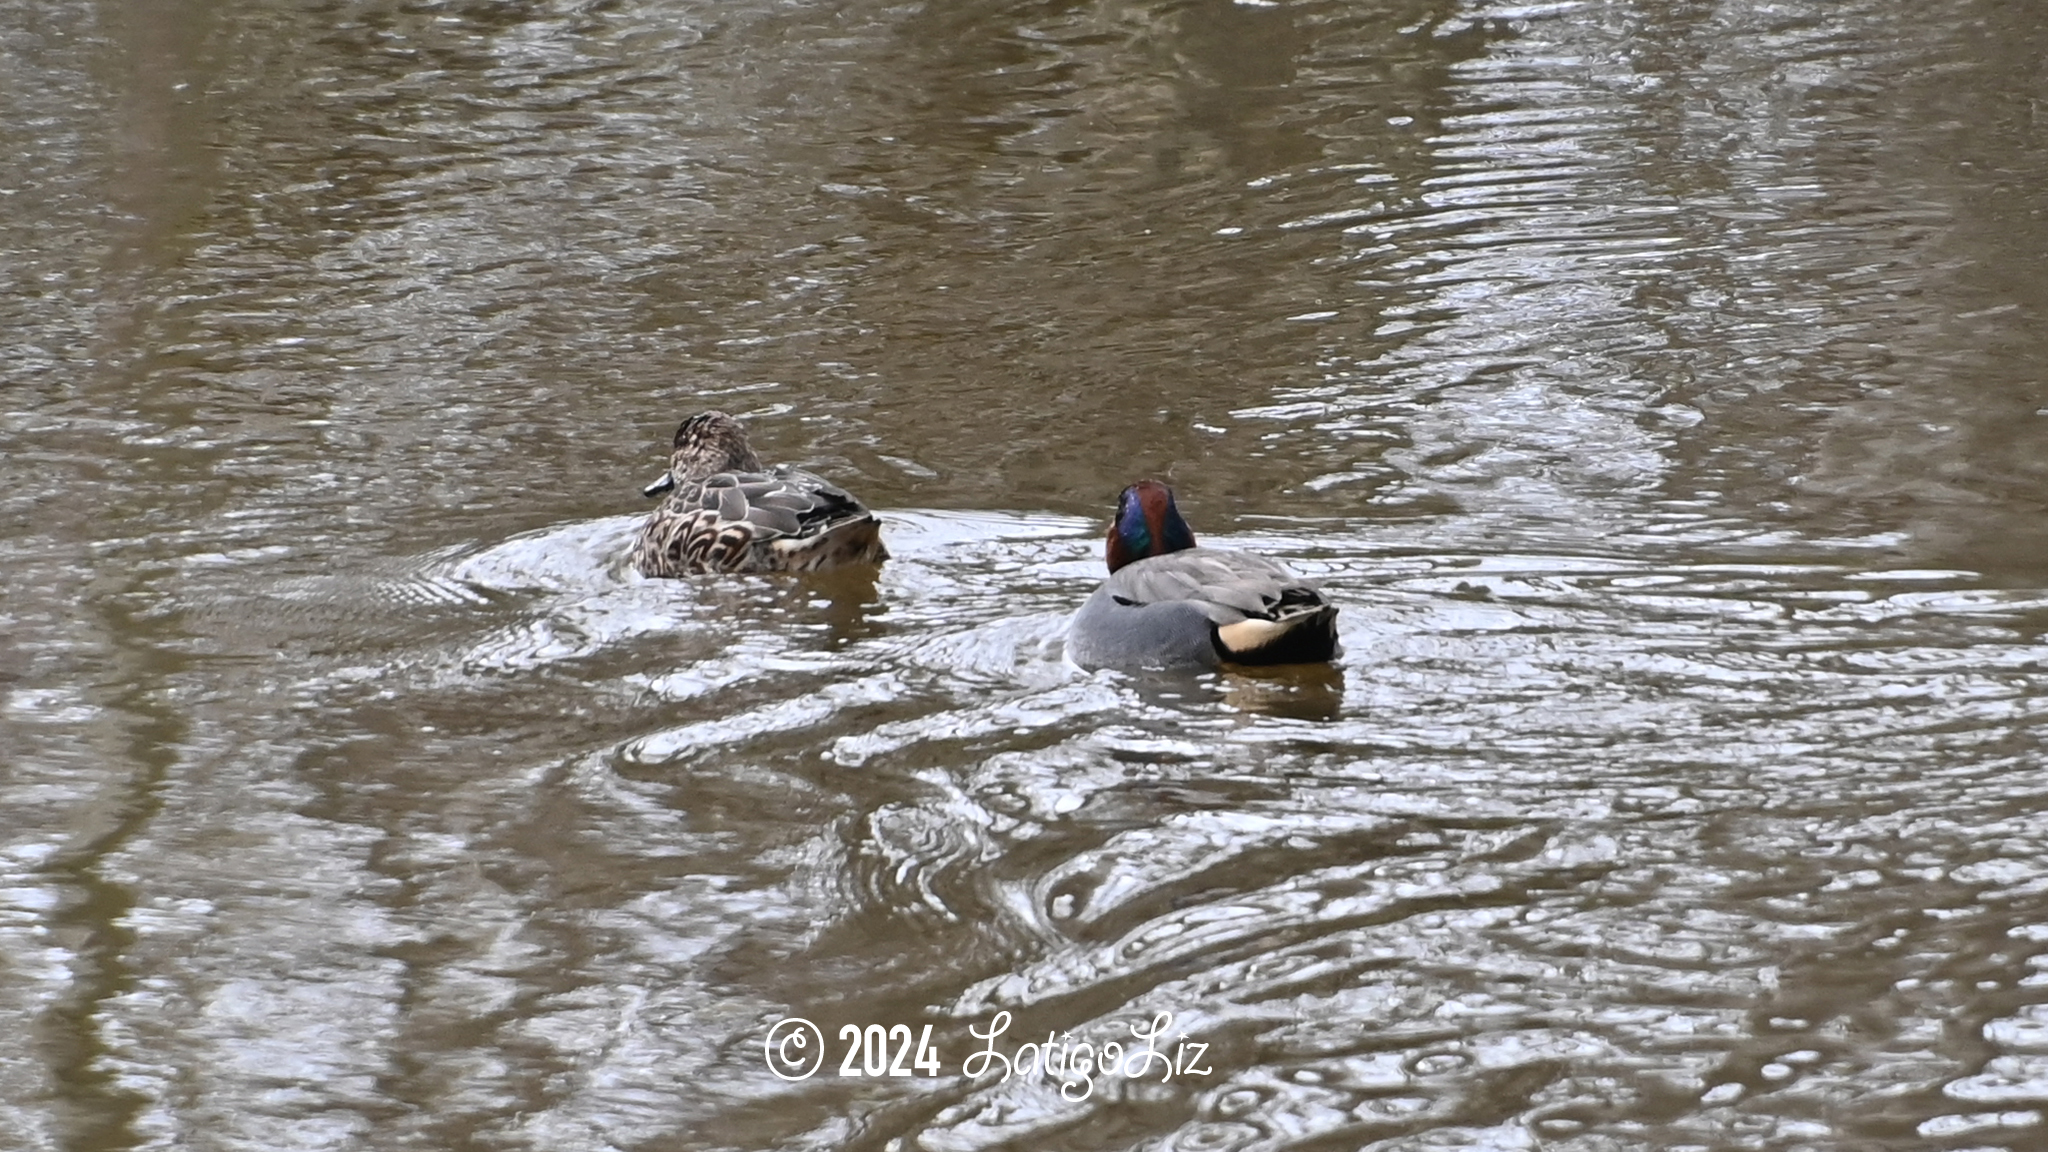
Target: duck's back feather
x=779, y=520
x=1203, y=606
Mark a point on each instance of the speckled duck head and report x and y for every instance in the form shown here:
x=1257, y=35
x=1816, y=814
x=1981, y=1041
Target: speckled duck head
x=1146, y=524
x=707, y=444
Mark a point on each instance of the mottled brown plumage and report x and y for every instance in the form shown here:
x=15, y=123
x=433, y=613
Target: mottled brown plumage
x=726, y=511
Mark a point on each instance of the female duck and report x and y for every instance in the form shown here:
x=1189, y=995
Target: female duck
x=1170, y=604
x=727, y=512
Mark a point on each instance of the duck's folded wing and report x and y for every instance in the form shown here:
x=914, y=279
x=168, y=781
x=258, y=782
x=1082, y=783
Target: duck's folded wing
x=1230, y=586
x=784, y=502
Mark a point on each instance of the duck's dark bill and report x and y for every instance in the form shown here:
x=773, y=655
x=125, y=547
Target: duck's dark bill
x=667, y=481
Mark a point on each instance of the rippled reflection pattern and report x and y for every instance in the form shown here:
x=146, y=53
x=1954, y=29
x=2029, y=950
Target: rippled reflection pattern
x=1655, y=385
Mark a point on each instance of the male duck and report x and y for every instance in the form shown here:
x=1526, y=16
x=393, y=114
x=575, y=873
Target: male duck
x=1170, y=604
x=728, y=512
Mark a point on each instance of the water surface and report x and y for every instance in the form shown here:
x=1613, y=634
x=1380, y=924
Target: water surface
x=1654, y=384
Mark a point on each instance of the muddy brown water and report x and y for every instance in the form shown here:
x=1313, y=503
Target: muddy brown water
x=1656, y=385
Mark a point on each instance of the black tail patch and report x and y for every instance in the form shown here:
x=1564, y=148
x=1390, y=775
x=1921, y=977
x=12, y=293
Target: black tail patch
x=1311, y=640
